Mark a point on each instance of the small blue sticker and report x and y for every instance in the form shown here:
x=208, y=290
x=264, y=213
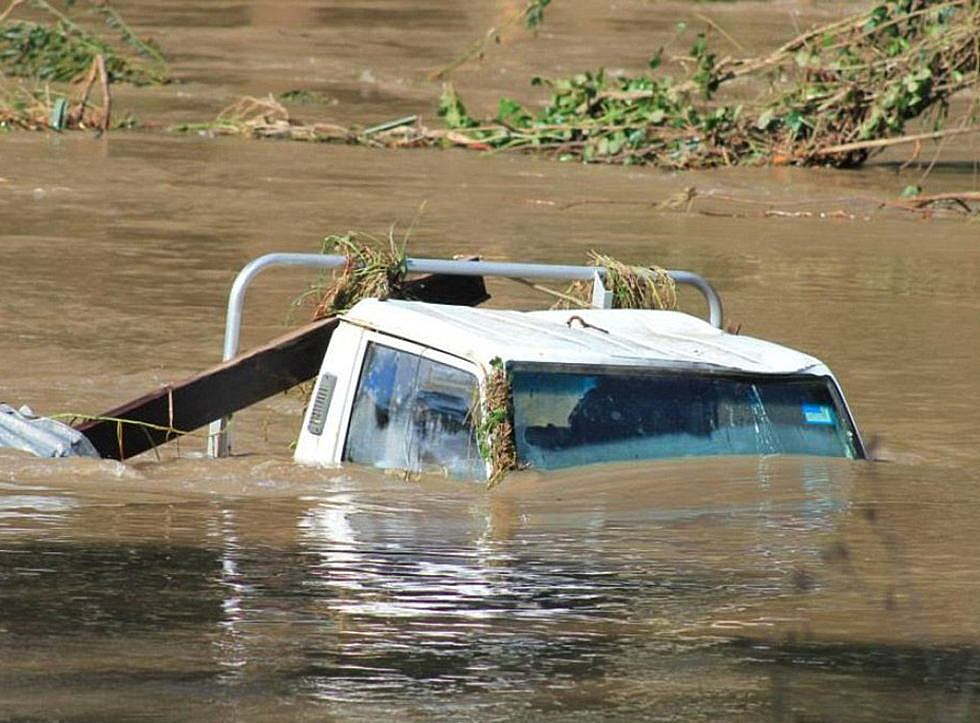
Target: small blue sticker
x=818, y=414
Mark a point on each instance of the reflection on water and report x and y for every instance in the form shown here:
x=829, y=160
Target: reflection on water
x=741, y=589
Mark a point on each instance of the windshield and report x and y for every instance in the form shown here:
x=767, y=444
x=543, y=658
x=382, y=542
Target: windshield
x=572, y=416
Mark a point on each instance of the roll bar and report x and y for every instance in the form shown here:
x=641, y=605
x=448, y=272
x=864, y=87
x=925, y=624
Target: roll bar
x=602, y=298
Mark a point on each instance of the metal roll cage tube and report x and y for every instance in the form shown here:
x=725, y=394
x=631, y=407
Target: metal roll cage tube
x=219, y=443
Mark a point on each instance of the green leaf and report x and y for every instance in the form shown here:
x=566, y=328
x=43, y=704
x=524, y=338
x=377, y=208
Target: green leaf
x=655, y=61
x=535, y=13
x=794, y=121
x=512, y=113
x=700, y=44
x=452, y=110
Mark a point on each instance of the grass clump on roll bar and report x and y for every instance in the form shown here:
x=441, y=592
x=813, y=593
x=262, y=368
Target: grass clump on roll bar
x=636, y=287
x=632, y=287
x=374, y=268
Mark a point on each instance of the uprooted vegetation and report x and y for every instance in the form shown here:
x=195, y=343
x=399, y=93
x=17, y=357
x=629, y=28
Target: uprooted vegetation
x=51, y=41
x=833, y=95
x=45, y=43
x=41, y=108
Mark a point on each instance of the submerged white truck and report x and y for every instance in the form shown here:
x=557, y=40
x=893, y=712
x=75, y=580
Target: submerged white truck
x=403, y=384
x=399, y=386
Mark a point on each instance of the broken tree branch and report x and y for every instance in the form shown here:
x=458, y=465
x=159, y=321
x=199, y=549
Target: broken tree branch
x=879, y=143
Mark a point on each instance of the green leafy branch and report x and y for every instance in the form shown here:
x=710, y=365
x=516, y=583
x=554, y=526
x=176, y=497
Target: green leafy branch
x=63, y=50
x=840, y=86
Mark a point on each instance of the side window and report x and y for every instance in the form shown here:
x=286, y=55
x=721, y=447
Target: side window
x=442, y=427
x=413, y=413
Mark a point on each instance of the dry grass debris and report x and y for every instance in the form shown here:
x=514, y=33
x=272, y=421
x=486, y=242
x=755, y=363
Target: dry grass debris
x=38, y=107
x=495, y=425
x=375, y=268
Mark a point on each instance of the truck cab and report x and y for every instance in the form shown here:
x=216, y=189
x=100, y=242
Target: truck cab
x=403, y=383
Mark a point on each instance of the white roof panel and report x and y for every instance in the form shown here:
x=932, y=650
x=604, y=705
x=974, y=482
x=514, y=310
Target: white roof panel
x=580, y=336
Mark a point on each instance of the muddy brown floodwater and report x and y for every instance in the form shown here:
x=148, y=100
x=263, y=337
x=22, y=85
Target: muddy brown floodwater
x=175, y=587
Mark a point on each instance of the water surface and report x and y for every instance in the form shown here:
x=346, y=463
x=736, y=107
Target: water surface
x=175, y=587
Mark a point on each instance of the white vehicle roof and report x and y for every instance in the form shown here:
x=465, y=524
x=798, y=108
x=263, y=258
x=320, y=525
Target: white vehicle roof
x=580, y=336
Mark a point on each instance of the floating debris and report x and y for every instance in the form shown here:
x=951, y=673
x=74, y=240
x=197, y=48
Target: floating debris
x=40, y=108
x=965, y=203
x=265, y=118
x=860, y=207
x=61, y=49
x=837, y=94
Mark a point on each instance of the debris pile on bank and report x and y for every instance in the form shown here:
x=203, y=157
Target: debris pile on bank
x=836, y=94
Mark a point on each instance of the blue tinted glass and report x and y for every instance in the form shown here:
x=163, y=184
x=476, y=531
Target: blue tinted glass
x=571, y=418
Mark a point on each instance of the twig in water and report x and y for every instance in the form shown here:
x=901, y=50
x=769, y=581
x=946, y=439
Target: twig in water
x=10, y=9
x=959, y=199
x=530, y=13
x=708, y=21
x=888, y=142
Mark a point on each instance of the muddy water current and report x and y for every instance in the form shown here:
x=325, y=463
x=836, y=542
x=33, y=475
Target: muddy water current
x=176, y=587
